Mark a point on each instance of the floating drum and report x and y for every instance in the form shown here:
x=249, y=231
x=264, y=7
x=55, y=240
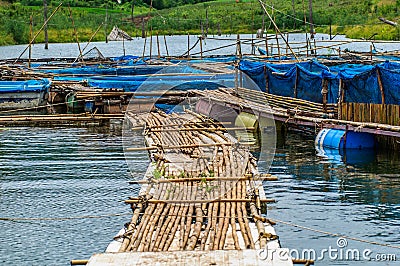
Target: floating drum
x=246, y=120
x=223, y=113
x=339, y=139
x=203, y=107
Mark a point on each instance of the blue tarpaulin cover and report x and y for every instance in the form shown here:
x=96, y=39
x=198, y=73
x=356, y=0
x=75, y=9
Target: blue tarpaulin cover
x=304, y=80
x=24, y=86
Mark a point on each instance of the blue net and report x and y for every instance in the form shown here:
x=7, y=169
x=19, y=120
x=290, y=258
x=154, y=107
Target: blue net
x=361, y=88
x=390, y=78
x=304, y=80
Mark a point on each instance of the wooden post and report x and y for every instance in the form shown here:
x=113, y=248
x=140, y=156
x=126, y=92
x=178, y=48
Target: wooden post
x=158, y=47
x=340, y=52
x=311, y=19
x=295, y=83
x=277, y=43
x=188, y=43
x=238, y=47
x=30, y=38
x=151, y=41
x=325, y=94
x=132, y=10
x=294, y=14
x=370, y=51
x=123, y=44
x=236, y=76
x=315, y=47
x=340, y=99
x=46, y=35
x=253, y=48
x=166, y=46
x=206, y=22
x=201, y=47
x=307, y=47
x=266, y=44
x=287, y=38
x=378, y=74
x=219, y=29
x=143, y=29
x=266, y=80
x=144, y=47
x=105, y=23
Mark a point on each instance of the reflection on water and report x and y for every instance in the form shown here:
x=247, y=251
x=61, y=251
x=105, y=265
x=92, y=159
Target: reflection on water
x=64, y=172
x=351, y=193
x=60, y=172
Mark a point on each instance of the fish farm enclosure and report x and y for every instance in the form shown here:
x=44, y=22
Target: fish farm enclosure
x=205, y=150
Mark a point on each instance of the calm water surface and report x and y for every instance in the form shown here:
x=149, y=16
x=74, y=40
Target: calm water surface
x=178, y=45
x=72, y=172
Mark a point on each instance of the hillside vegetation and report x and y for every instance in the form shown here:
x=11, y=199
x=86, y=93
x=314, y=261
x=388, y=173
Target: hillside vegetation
x=356, y=19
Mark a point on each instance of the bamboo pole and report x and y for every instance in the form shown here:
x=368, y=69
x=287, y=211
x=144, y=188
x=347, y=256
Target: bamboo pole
x=197, y=228
x=188, y=45
x=174, y=201
x=90, y=40
x=158, y=47
x=277, y=29
x=144, y=47
x=151, y=41
x=166, y=46
x=75, y=32
x=40, y=30
x=378, y=74
x=30, y=37
x=201, y=47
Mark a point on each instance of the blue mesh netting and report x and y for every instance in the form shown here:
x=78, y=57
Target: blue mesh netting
x=390, y=78
x=361, y=88
x=360, y=81
x=281, y=83
x=309, y=85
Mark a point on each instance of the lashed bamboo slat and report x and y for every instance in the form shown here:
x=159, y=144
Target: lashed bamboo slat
x=199, y=187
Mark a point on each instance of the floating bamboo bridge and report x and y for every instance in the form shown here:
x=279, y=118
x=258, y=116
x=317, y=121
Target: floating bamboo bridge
x=202, y=199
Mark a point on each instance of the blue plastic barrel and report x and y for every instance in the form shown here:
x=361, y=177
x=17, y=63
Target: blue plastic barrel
x=89, y=106
x=339, y=139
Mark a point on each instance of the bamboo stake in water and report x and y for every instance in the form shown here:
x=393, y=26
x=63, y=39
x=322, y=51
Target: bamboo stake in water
x=30, y=37
x=166, y=46
x=158, y=47
x=40, y=30
x=75, y=32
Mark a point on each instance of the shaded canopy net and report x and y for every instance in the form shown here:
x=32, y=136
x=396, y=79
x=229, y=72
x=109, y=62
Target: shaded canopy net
x=360, y=83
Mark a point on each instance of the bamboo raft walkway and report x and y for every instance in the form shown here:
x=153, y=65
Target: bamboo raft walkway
x=35, y=120
x=291, y=111
x=200, y=202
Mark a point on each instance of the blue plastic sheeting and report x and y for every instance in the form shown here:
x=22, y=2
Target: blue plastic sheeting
x=304, y=80
x=24, y=86
x=106, y=70
x=125, y=58
x=165, y=82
